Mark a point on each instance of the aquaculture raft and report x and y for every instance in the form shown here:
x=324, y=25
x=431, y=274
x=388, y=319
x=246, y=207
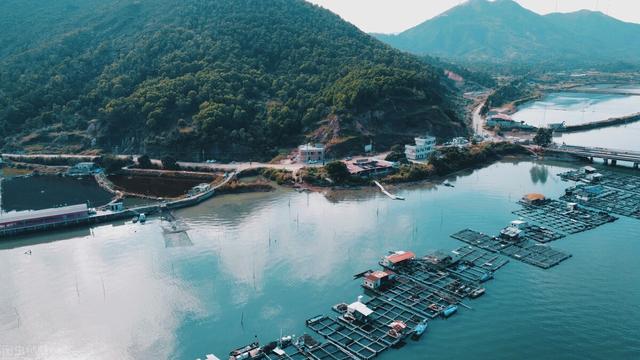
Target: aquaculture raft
x=526, y=251
x=557, y=215
x=363, y=341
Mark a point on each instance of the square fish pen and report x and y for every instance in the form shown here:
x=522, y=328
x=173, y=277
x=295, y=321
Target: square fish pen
x=479, y=258
x=557, y=215
x=610, y=179
x=363, y=341
x=386, y=311
x=525, y=250
x=308, y=349
x=541, y=234
x=422, y=299
x=328, y=351
x=620, y=202
x=452, y=287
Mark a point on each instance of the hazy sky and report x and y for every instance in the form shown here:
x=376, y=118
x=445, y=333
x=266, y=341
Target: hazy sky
x=391, y=16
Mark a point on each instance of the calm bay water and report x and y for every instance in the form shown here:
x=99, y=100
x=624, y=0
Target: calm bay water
x=576, y=108
x=125, y=290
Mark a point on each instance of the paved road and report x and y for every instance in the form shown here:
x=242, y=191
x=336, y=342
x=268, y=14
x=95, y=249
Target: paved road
x=240, y=166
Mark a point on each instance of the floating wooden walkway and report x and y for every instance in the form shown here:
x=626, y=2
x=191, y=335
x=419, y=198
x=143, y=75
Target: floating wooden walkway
x=384, y=191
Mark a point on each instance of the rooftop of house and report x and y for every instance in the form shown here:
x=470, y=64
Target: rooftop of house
x=534, y=197
x=401, y=256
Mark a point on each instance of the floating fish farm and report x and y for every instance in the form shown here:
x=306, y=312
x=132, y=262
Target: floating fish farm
x=402, y=297
x=564, y=217
x=526, y=251
x=605, y=191
x=409, y=292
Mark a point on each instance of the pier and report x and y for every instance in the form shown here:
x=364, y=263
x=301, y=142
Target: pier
x=384, y=191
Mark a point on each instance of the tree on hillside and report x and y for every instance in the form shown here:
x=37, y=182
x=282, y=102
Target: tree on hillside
x=337, y=171
x=144, y=162
x=543, y=137
x=170, y=163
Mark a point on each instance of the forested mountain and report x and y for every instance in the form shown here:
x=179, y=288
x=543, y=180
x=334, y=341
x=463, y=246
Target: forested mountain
x=230, y=78
x=503, y=31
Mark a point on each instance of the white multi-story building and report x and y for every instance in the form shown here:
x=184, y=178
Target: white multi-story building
x=310, y=153
x=424, y=146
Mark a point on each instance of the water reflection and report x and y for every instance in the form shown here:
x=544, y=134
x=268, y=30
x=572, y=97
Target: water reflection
x=539, y=174
x=257, y=263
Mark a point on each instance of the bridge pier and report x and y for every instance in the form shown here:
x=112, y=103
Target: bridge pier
x=606, y=161
x=614, y=162
x=635, y=165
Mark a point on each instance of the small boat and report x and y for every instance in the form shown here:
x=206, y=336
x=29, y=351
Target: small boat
x=419, y=329
x=398, y=197
x=142, y=218
x=450, y=310
x=448, y=184
x=477, y=293
x=340, y=308
x=486, y=277
x=251, y=351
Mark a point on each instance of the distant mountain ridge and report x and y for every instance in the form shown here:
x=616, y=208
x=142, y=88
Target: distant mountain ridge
x=504, y=31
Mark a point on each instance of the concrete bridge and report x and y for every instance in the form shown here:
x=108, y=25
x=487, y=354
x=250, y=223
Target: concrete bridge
x=609, y=156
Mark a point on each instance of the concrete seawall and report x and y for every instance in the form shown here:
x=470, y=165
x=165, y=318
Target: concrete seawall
x=600, y=124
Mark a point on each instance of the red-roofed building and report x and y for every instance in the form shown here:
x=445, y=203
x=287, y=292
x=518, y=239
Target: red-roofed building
x=378, y=279
x=397, y=258
x=369, y=167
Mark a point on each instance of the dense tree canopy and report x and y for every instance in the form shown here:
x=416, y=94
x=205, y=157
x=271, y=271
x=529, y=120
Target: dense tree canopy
x=224, y=79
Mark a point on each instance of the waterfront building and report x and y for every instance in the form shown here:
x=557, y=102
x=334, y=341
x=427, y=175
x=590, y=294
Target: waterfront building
x=514, y=231
x=310, y=153
x=534, y=199
x=41, y=218
x=378, y=279
x=83, y=169
x=367, y=168
x=359, y=311
x=424, y=146
x=505, y=122
x=397, y=258
x=459, y=142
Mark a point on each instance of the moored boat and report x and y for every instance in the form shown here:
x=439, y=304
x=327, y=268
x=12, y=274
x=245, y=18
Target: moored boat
x=450, y=310
x=477, y=293
x=251, y=351
x=419, y=330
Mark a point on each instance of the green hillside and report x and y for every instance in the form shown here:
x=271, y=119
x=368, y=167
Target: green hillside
x=232, y=79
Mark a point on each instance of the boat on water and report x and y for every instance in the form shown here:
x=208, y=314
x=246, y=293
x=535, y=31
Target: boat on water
x=340, y=308
x=486, y=277
x=398, y=197
x=448, y=184
x=477, y=293
x=251, y=351
x=450, y=310
x=419, y=330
